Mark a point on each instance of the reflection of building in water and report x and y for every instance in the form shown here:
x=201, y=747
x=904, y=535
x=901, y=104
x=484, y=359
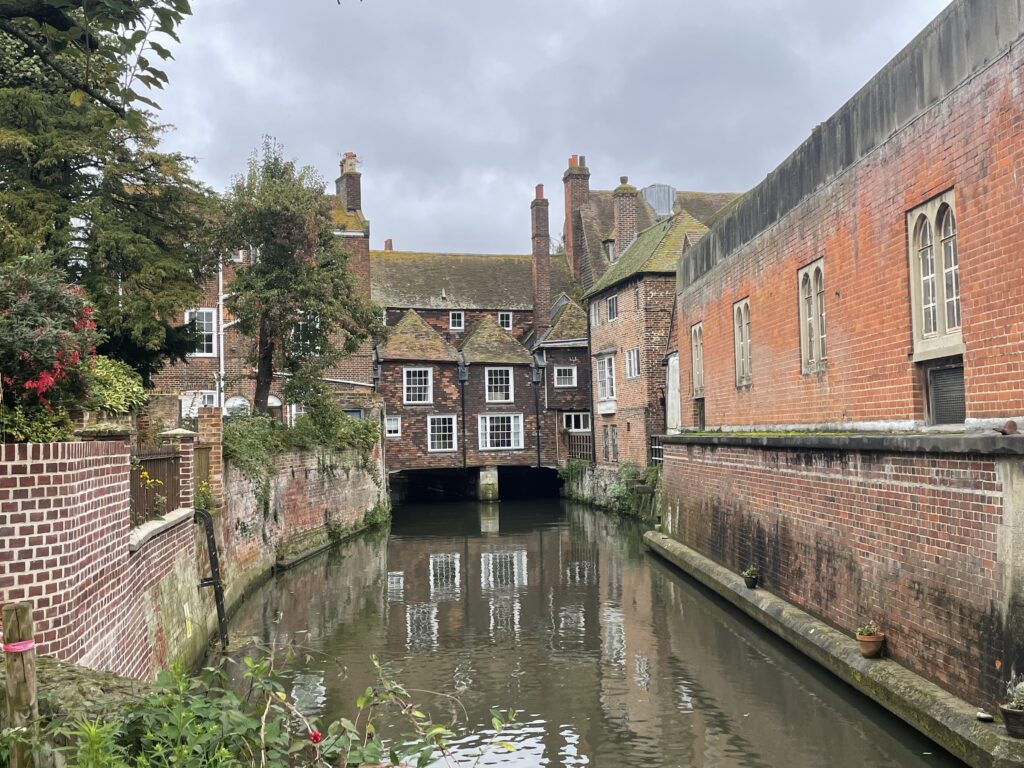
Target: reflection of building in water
x=420, y=626
x=580, y=573
x=613, y=649
x=505, y=612
x=572, y=623
x=503, y=569
x=396, y=586
x=445, y=583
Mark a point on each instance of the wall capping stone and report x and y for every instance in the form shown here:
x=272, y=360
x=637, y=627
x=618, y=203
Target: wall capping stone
x=967, y=444
x=149, y=530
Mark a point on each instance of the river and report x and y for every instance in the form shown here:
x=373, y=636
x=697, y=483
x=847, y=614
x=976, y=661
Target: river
x=612, y=657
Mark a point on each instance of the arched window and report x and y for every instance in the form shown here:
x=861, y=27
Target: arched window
x=236, y=406
x=819, y=310
x=746, y=342
x=950, y=267
x=697, y=355
x=741, y=334
x=807, y=298
x=926, y=262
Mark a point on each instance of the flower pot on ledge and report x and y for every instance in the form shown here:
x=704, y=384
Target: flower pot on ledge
x=750, y=581
x=1013, y=719
x=871, y=645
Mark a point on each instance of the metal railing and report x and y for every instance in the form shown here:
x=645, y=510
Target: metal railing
x=581, y=445
x=154, y=483
x=656, y=452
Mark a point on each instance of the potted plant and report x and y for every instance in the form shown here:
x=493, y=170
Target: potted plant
x=1013, y=709
x=871, y=639
x=750, y=576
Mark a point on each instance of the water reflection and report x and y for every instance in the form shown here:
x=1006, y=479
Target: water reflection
x=613, y=658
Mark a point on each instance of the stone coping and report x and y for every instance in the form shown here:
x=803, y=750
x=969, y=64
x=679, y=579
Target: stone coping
x=972, y=444
x=938, y=714
x=149, y=530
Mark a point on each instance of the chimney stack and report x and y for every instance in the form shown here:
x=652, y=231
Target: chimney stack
x=347, y=185
x=576, y=180
x=387, y=245
x=541, y=263
x=624, y=200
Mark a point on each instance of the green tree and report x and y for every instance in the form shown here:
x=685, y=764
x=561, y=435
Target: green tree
x=124, y=219
x=297, y=298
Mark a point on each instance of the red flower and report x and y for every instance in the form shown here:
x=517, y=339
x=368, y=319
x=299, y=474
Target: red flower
x=315, y=736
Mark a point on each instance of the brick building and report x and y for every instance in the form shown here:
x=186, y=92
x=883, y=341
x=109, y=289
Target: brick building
x=867, y=288
x=219, y=373
x=630, y=313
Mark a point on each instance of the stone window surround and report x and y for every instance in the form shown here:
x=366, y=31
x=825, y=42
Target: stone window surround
x=741, y=343
x=697, y=358
x=943, y=342
x=813, y=328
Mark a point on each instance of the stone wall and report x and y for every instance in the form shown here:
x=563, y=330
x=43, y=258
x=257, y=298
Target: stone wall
x=924, y=535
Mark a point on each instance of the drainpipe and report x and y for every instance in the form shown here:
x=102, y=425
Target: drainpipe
x=220, y=333
x=463, y=378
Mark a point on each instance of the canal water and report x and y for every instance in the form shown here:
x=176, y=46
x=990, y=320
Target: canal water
x=612, y=657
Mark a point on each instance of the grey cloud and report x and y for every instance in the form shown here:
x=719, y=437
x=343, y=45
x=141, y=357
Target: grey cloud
x=458, y=107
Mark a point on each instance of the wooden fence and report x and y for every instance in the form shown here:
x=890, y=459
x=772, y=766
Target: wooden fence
x=201, y=465
x=581, y=445
x=154, y=483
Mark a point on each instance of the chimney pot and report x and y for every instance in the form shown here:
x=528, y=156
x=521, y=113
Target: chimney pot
x=540, y=191
x=574, y=161
x=624, y=179
x=388, y=245
x=583, y=161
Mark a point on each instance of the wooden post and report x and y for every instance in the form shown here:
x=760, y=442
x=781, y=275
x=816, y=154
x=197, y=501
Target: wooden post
x=22, y=704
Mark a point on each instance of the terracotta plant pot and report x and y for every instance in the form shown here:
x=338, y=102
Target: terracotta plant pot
x=1013, y=719
x=871, y=645
x=750, y=581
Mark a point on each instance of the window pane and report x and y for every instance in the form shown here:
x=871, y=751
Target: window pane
x=807, y=313
x=441, y=435
x=499, y=385
x=951, y=268
x=819, y=292
x=417, y=385
x=926, y=259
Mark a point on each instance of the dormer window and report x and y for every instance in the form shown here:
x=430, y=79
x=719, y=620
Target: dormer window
x=609, y=250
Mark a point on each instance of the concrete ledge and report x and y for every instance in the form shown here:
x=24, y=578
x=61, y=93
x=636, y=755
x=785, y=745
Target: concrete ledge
x=153, y=528
x=944, y=718
x=973, y=444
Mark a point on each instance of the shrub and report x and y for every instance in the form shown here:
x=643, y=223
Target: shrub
x=114, y=387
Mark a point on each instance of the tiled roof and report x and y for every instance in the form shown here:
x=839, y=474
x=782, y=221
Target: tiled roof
x=347, y=221
x=488, y=342
x=568, y=323
x=703, y=206
x=465, y=280
x=655, y=250
x=412, y=338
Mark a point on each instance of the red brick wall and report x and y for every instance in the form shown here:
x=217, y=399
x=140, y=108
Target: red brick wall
x=643, y=322
x=972, y=143
x=908, y=539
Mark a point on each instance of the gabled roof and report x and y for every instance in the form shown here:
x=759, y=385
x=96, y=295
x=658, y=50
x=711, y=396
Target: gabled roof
x=458, y=280
x=568, y=322
x=655, y=251
x=488, y=342
x=412, y=338
x=703, y=206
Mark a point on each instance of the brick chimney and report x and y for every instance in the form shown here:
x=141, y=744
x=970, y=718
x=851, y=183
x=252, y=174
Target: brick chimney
x=624, y=199
x=541, y=263
x=347, y=185
x=577, y=189
x=388, y=245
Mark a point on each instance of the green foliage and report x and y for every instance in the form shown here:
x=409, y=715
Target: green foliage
x=35, y=425
x=114, y=387
x=1015, y=693
x=379, y=515
x=201, y=723
x=625, y=496
x=203, y=496
x=871, y=628
x=573, y=469
x=751, y=572
x=250, y=444
x=298, y=299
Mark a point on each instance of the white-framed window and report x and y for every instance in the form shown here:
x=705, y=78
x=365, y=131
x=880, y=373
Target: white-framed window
x=505, y=320
x=576, y=421
x=500, y=388
x=392, y=426
x=418, y=386
x=609, y=250
x=501, y=431
x=612, y=307
x=741, y=341
x=238, y=255
x=565, y=376
x=595, y=313
x=813, y=349
x=606, y=377
x=441, y=434
x=504, y=569
x=191, y=402
x=306, y=336
x=456, y=320
x=295, y=410
x=697, y=358
x=633, y=363
x=445, y=576
x=205, y=320
x=237, y=406
x=935, y=279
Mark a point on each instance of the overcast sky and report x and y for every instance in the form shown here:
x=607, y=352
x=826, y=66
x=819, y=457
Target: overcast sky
x=457, y=108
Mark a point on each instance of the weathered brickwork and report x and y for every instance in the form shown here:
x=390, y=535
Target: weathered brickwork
x=411, y=449
x=972, y=143
x=643, y=323
x=524, y=403
x=911, y=540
